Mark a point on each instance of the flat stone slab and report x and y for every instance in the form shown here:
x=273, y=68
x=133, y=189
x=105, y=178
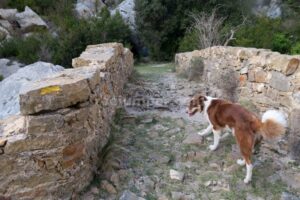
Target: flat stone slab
x=103, y=56
x=280, y=82
x=54, y=93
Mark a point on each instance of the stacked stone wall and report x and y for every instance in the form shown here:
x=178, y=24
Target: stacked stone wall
x=51, y=150
x=267, y=79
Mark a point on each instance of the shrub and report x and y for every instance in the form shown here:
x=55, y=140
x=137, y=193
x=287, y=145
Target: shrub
x=39, y=6
x=281, y=43
x=25, y=50
x=81, y=33
x=163, y=24
x=189, y=42
x=73, y=37
x=296, y=48
x=259, y=33
x=1, y=77
x=264, y=33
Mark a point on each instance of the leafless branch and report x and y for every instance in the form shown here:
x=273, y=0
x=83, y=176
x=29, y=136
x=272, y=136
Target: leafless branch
x=208, y=29
x=233, y=31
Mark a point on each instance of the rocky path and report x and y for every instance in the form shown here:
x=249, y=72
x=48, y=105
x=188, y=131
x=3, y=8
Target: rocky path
x=155, y=152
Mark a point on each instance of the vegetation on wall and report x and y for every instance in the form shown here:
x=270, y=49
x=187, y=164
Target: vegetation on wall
x=163, y=25
x=164, y=28
x=70, y=39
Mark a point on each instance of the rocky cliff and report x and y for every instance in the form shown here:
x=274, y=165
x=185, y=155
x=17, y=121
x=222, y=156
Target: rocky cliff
x=267, y=79
x=50, y=150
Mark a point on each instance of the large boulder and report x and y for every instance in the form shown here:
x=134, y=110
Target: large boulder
x=88, y=8
x=8, y=67
x=29, y=20
x=268, y=8
x=11, y=86
x=6, y=25
x=8, y=14
x=4, y=34
x=126, y=9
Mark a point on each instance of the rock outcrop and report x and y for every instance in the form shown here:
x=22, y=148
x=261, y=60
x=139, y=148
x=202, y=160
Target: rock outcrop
x=88, y=8
x=52, y=149
x=29, y=20
x=11, y=87
x=267, y=79
x=8, y=67
x=13, y=23
x=126, y=9
x=268, y=8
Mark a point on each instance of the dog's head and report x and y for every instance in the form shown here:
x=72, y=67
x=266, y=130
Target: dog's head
x=196, y=104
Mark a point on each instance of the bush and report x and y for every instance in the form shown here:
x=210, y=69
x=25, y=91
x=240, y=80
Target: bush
x=81, y=33
x=265, y=33
x=163, y=24
x=296, y=48
x=25, y=50
x=259, y=33
x=189, y=42
x=1, y=77
x=281, y=43
x=39, y=6
x=74, y=35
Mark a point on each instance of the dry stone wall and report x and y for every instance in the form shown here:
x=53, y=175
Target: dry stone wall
x=51, y=150
x=267, y=79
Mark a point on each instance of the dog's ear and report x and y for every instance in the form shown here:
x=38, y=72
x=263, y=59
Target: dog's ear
x=201, y=102
x=202, y=98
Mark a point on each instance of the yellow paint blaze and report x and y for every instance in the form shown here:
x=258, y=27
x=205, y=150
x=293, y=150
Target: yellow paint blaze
x=49, y=90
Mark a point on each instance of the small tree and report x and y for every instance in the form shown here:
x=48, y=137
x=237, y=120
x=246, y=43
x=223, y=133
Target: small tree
x=209, y=29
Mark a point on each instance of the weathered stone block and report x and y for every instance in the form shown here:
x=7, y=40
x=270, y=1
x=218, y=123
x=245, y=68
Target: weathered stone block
x=283, y=63
x=242, y=80
x=258, y=87
x=258, y=75
x=102, y=56
x=294, y=140
x=59, y=150
x=280, y=81
x=44, y=123
x=296, y=97
x=292, y=66
x=272, y=93
x=261, y=76
x=54, y=93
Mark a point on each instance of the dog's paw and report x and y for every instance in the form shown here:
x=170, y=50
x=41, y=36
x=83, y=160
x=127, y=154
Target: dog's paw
x=246, y=181
x=241, y=162
x=212, y=147
x=201, y=133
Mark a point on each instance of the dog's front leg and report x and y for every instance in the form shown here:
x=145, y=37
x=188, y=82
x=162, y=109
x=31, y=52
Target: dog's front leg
x=207, y=131
x=216, y=140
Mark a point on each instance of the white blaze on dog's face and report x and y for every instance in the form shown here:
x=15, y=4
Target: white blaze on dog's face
x=196, y=104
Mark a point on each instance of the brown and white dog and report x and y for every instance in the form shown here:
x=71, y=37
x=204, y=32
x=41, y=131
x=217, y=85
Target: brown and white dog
x=245, y=126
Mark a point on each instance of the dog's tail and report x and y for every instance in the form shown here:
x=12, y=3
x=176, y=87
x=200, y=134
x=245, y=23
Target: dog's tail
x=273, y=124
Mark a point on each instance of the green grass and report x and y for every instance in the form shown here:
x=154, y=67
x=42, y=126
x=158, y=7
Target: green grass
x=147, y=69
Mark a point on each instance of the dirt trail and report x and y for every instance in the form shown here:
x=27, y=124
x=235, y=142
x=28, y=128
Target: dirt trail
x=155, y=152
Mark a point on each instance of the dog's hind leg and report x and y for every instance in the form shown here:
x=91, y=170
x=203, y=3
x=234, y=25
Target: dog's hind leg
x=217, y=137
x=246, y=142
x=207, y=131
